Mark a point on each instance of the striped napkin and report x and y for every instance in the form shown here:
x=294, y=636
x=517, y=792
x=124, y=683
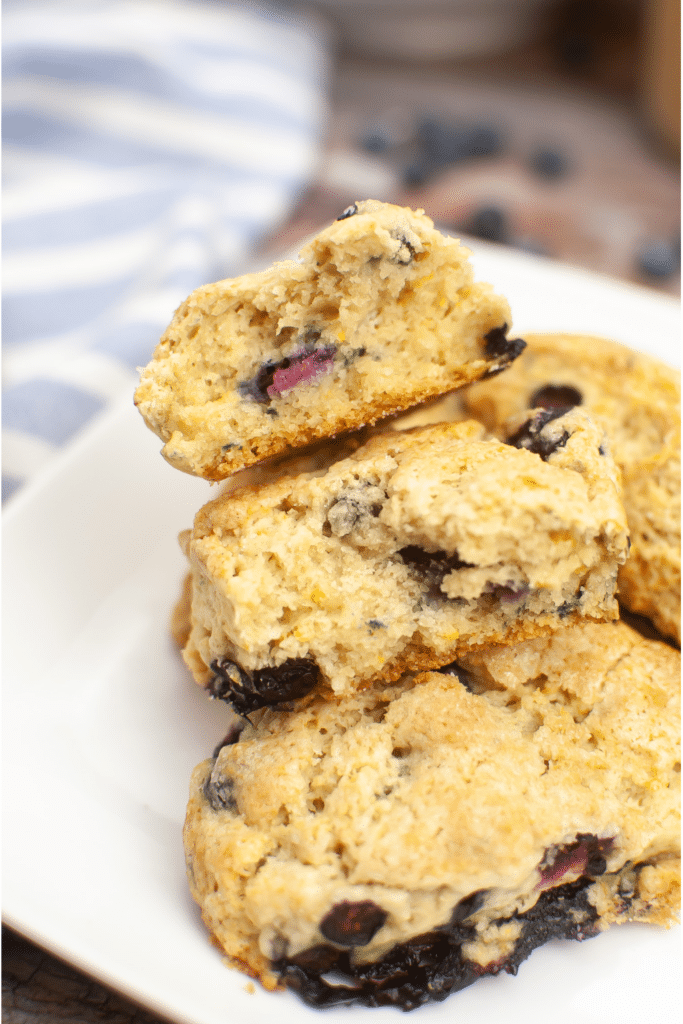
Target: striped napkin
x=148, y=144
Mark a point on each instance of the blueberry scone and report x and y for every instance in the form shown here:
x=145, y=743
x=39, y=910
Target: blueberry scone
x=380, y=314
x=422, y=544
x=416, y=837
x=315, y=458
x=636, y=398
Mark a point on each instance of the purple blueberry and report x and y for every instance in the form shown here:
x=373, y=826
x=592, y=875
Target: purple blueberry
x=530, y=434
x=275, y=379
x=431, y=567
x=556, y=396
x=350, y=211
x=501, y=349
x=264, y=687
x=353, y=924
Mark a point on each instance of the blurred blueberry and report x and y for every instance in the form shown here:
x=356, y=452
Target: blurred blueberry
x=417, y=173
x=445, y=144
x=429, y=132
x=659, y=258
x=483, y=140
x=376, y=141
x=549, y=163
x=489, y=223
x=576, y=50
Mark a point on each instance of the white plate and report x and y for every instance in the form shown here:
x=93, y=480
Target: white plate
x=102, y=725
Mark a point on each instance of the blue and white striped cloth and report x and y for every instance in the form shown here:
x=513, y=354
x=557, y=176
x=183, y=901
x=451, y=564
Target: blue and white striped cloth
x=147, y=145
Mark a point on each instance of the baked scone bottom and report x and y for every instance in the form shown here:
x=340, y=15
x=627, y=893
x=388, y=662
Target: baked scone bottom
x=431, y=967
x=419, y=837
x=417, y=547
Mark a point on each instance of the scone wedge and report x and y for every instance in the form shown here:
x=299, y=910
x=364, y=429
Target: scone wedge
x=420, y=836
x=637, y=399
x=380, y=314
x=421, y=545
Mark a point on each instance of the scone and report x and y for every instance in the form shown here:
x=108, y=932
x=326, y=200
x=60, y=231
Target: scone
x=380, y=314
x=420, y=836
x=637, y=400
x=315, y=458
x=422, y=544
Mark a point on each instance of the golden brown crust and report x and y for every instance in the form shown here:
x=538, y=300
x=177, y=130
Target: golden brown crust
x=181, y=614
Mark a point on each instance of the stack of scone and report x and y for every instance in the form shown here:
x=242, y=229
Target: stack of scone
x=447, y=749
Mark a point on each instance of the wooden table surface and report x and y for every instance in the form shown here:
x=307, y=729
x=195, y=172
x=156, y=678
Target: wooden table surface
x=621, y=191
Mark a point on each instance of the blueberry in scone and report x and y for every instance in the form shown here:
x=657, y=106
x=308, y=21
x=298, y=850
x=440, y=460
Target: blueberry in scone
x=380, y=314
x=636, y=399
x=419, y=546
x=418, y=836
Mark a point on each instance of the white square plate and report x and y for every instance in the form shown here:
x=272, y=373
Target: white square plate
x=102, y=725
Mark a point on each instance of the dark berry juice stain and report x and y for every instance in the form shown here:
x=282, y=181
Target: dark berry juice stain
x=275, y=379
x=567, y=607
x=507, y=593
x=431, y=567
x=501, y=349
x=430, y=967
x=556, y=396
x=353, y=924
x=232, y=736
x=264, y=687
x=530, y=435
